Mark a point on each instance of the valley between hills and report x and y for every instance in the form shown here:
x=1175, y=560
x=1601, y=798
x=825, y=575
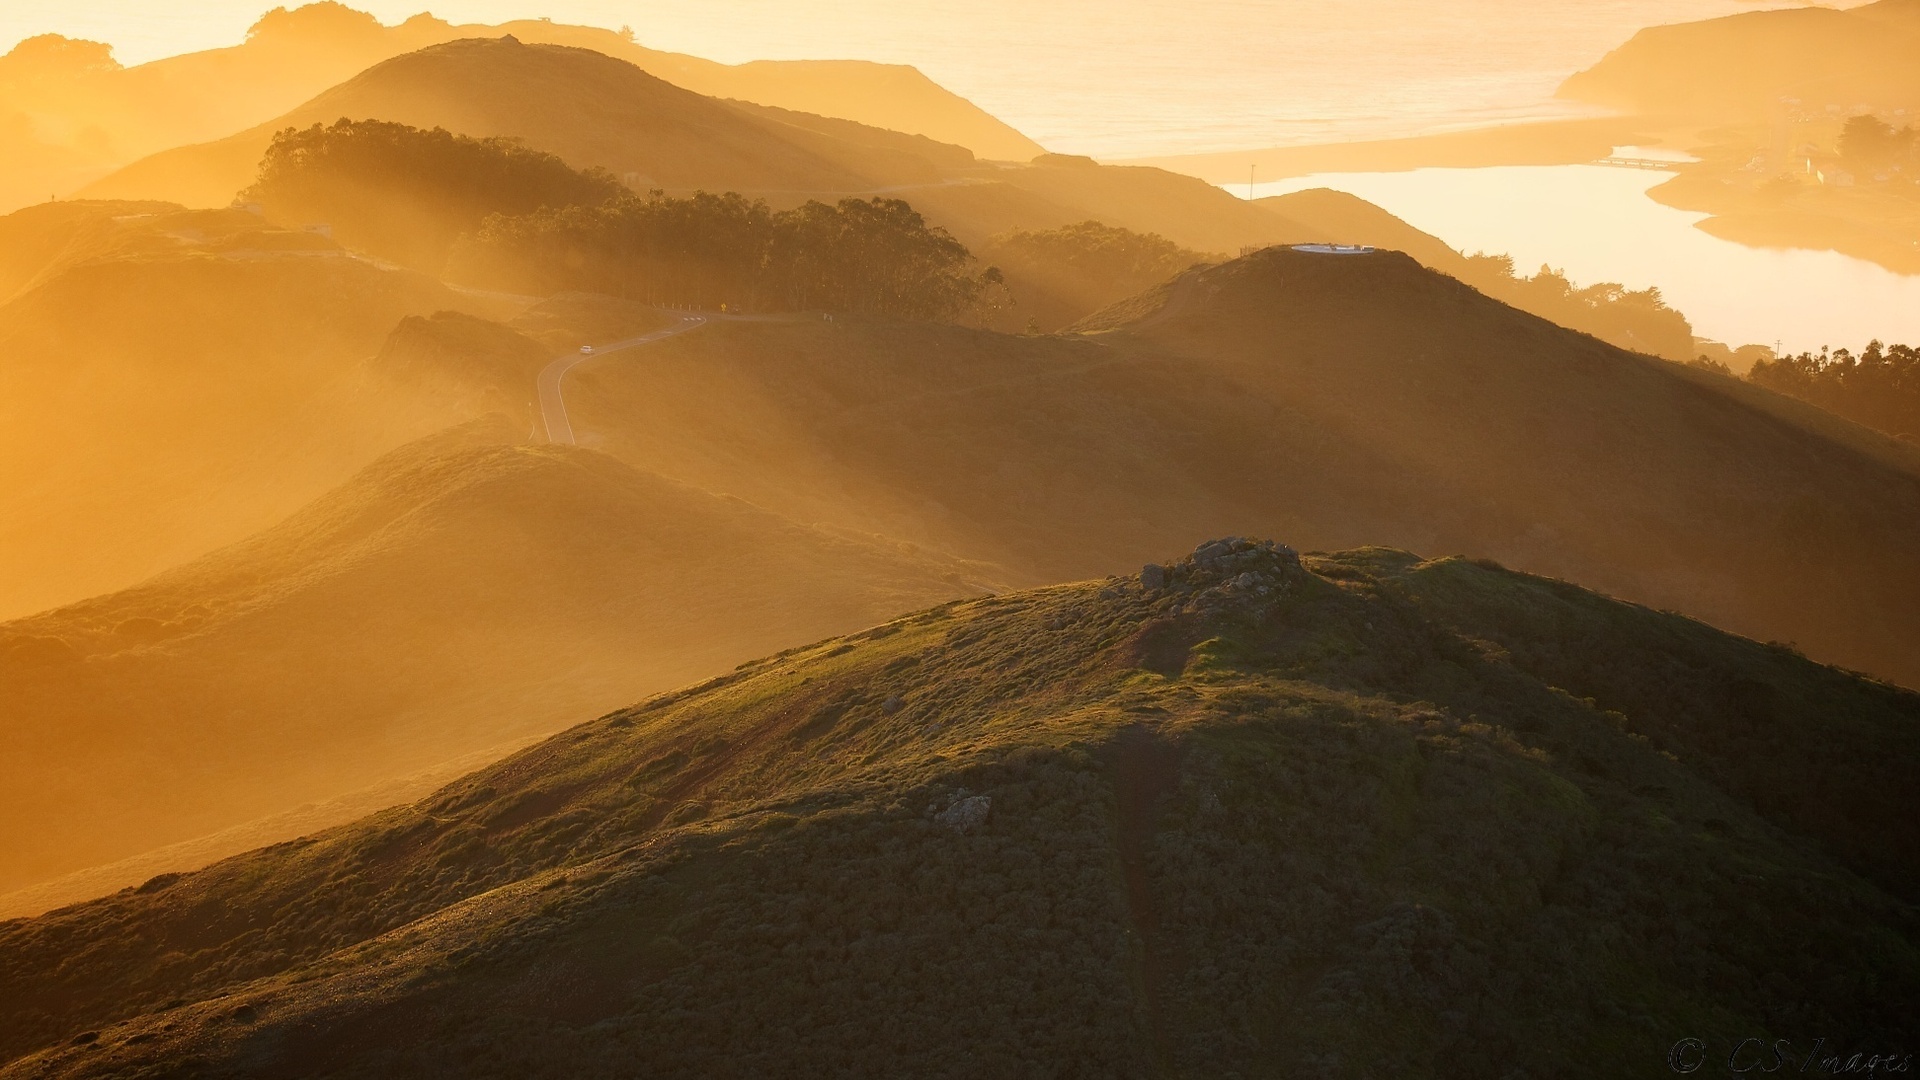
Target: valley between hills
x=995, y=613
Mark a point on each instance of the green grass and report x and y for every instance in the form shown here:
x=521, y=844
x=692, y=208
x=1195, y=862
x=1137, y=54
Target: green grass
x=1388, y=818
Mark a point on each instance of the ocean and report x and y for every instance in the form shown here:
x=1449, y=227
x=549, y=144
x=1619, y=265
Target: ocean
x=1596, y=224
x=1112, y=78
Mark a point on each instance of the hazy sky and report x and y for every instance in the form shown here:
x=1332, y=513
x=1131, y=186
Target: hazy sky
x=1114, y=78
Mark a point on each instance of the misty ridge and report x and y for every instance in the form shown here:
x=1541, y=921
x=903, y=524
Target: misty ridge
x=522, y=554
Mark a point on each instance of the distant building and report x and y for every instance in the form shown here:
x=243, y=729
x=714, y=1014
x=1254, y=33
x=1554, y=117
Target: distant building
x=1334, y=249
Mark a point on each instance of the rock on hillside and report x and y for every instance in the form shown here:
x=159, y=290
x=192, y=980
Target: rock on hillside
x=461, y=593
x=1251, y=812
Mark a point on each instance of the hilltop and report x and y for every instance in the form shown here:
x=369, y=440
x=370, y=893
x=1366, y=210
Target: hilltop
x=1742, y=66
x=1636, y=320
x=1719, y=494
x=114, y=115
x=176, y=380
x=599, y=111
x=1245, y=812
x=42, y=240
x=462, y=593
x=588, y=108
x=1333, y=399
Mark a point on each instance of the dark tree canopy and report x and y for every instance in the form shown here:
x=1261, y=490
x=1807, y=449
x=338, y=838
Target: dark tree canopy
x=1867, y=142
x=1879, y=388
x=408, y=194
x=1637, y=319
x=874, y=256
x=522, y=219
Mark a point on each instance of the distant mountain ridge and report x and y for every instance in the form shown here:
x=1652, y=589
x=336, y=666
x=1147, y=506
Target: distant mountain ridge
x=1742, y=66
x=289, y=56
x=596, y=111
x=588, y=108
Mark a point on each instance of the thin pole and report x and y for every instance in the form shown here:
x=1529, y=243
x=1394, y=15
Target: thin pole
x=1251, y=169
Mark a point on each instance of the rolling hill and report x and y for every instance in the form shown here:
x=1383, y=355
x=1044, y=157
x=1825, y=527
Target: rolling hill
x=70, y=112
x=1331, y=399
x=596, y=111
x=174, y=380
x=462, y=593
x=1243, y=813
x=583, y=106
x=1740, y=67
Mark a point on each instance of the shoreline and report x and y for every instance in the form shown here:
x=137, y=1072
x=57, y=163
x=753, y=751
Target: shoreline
x=1850, y=222
x=1545, y=142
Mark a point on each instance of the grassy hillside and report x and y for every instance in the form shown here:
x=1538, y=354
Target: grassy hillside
x=1244, y=814
x=1057, y=277
x=468, y=366
x=583, y=106
x=112, y=115
x=175, y=380
x=458, y=594
x=1622, y=473
x=1635, y=320
x=1334, y=400
x=566, y=321
x=594, y=110
x=1055, y=192
x=43, y=239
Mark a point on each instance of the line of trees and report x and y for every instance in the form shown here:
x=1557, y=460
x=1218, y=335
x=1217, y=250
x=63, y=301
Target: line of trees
x=1879, y=388
x=406, y=194
x=1636, y=319
x=874, y=256
x=492, y=212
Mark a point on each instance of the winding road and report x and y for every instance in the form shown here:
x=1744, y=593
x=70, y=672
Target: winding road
x=553, y=407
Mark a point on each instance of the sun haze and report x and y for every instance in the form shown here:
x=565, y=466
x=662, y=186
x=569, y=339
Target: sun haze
x=857, y=539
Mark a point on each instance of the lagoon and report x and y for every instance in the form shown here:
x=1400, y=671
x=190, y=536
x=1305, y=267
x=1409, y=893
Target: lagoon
x=1596, y=224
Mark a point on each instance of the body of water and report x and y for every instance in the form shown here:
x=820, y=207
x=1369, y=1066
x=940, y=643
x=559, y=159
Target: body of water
x=1597, y=224
x=1135, y=78
x=1111, y=78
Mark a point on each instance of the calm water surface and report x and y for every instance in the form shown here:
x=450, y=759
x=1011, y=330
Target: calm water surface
x=1597, y=224
x=1132, y=78
x=1112, y=78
